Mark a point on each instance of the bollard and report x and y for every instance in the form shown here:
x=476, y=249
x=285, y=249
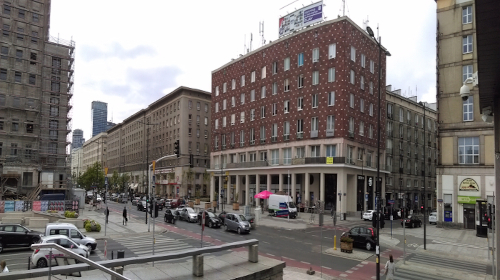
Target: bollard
x=334, y=242
x=120, y=254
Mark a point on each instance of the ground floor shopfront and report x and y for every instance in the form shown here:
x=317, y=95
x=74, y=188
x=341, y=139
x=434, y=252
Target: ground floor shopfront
x=344, y=188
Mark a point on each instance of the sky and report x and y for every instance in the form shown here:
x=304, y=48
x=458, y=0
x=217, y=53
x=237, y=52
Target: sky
x=130, y=53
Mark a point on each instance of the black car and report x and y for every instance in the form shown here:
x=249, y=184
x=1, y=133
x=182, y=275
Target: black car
x=16, y=235
x=211, y=220
x=170, y=216
x=363, y=237
x=141, y=205
x=412, y=221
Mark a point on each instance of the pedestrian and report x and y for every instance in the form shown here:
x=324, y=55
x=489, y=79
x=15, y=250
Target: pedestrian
x=390, y=268
x=125, y=219
x=3, y=267
x=106, y=212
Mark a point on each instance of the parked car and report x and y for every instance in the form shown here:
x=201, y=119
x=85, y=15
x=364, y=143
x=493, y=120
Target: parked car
x=363, y=237
x=169, y=216
x=142, y=205
x=39, y=258
x=161, y=201
x=167, y=203
x=72, y=232
x=175, y=203
x=211, y=220
x=433, y=218
x=188, y=214
x=368, y=215
x=15, y=235
x=236, y=222
x=135, y=201
x=99, y=198
x=411, y=221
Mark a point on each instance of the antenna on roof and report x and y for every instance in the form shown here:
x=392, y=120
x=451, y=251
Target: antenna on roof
x=365, y=23
x=261, y=32
x=343, y=8
x=251, y=39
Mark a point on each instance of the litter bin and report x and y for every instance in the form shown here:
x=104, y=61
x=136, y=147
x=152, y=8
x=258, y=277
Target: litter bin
x=321, y=218
x=120, y=254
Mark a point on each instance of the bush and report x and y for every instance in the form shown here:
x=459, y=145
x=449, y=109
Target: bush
x=70, y=214
x=88, y=224
x=346, y=239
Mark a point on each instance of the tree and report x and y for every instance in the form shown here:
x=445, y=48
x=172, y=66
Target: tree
x=122, y=182
x=114, y=181
x=93, y=176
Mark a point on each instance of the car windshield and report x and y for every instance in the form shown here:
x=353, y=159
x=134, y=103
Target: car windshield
x=291, y=205
x=210, y=214
x=190, y=210
x=242, y=218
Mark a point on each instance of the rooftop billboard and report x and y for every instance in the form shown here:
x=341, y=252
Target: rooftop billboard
x=301, y=18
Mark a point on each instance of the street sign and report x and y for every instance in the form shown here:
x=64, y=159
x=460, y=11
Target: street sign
x=106, y=180
x=154, y=177
x=105, y=171
x=390, y=201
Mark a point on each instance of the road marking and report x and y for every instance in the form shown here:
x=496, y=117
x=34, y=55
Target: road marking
x=305, y=262
x=271, y=255
x=349, y=271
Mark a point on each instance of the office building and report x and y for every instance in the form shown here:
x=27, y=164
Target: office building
x=99, y=117
x=78, y=139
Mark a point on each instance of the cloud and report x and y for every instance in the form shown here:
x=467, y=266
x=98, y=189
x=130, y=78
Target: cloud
x=89, y=53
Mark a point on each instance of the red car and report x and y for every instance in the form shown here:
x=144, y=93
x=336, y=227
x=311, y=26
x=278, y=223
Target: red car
x=175, y=203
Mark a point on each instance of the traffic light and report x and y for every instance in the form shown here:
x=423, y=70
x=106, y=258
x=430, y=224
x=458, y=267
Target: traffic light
x=191, y=160
x=488, y=216
x=156, y=211
x=177, y=148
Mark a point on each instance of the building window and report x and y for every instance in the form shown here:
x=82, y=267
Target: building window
x=224, y=88
x=362, y=83
x=252, y=77
x=13, y=149
x=300, y=103
x=224, y=103
x=315, y=55
x=353, y=54
x=371, y=88
x=401, y=115
x=262, y=112
x=351, y=125
x=217, y=107
x=352, y=77
x=252, y=95
x=331, y=75
x=363, y=60
x=275, y=88
x=233, y=84
x=262, y=133
x=274, y=131
x=15, y=126
x=287, y=156
x=314, y=100
x=300, y=81
x=300, y=59
x=217, y=91
x=216, y=124
x=362, y=105
x=331, y=150
x=32, y=79
x=300, y=126
x=19, y=55
x=315, y=151
x=371, y=109
x=3, y=74
x=242, y=98
x=263, y=72
x=300, y=152
x=314, y=124
x=224, y=122
x=242, y=137
x=242, y=82
x=286, y=128
x=372, y=66
x=252, y=136
x=17, y=77
x=468, y=107
x=5, y=52
x=242, y=117
x=332, y=51
x=286, y=106
x=330, y=123
x=286, y=85
x=190, y=104
x=370, y=132
x=362, y=128
x=252, y=114
x=6, y=9
x=286, y=64
x=275, y=109
x=275, y=67
x=467, y=14
x=331, y=98
x=467, y=44
x=263, y=92
x=275, y=157
x=468, y=150
x=315, y=77
x=351, y=100
x=466, y=72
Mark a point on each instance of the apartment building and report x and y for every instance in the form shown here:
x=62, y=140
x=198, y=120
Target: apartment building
x=36, y=86
x=466, y=142
x=77, y=162
x=95, y=150
x=300, y=113
x=184, y=115
x=411, y=151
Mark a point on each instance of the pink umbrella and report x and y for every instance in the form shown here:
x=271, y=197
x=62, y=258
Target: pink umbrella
x=263, y=194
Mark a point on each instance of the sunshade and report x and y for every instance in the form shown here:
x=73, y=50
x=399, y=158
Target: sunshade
x=263, y=194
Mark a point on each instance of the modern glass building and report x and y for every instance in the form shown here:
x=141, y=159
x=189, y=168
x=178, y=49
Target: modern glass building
x=99, y=117
x=77, y=139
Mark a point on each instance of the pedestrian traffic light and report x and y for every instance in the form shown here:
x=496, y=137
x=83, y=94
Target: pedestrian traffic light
x=488, y=216
x=156, y=211
x=177, y=148
x=191, y=160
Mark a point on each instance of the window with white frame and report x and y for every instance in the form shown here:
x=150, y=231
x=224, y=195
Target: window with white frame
x=401, y=115
x=315, y=151
x=275, y=109
x=331, y=150
x=216, y=141
x=263, y=72
x=242, y=98
x=467, y=44
x=331, y=75
x=252, y=157
x=263, y=156
x=300, y=81
x=300, y=152
x=274, y=130
x=287, y=156
x=360, y=153
x=286, y=64
x=275, y=88
x=350, y=154
x=262, y=133
x=275, y=157
x=223, y=121
x=224, y=103
x=351, y=100
x=262, y=112
x=332, y=51
x=233, y=119
x=217, y=124
x=300, y=59
x=363, y=60
x=353, y=54
x=233, y=84
x=224, y=88
x=466, y=14
x=217, y=107
x=352, y=77
x=252, y=135
x=252, y=95
x=217, y=91
x=242, y=80
x=286, y=106
x=314, y=100
x=330, y=123
x=371, y=109
x=252, y=114
x=314, y=124
x=408, y=117
x=286, y=85
x=242, y=117
x=315, y=77
x=242, y=155
x=362, y=128
x=223, y=142
x=263, y=92
x=206, y=120
x=233, y=101
x=372, y=66
x=275, y=67
x=315, y=55
x=351, y=125
x=362, y=82
x=252, y=77
x=371, y=88
x=361, y=105
x=370, y=132
x=300, y=125
x=468, y=109
x=331, y=98
x=286, y=128
x=300, y=103
x=466, y=72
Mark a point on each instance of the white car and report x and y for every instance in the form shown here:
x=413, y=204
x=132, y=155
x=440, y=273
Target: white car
x=433, y=218
x=40, y=257
x=99, y=197
x=368, y=215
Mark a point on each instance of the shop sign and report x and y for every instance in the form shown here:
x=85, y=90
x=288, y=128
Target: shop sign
x=329, y=160
x=469, y=185
x=467, y=199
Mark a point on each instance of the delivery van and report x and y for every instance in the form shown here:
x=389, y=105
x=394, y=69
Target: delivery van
x=282, y=206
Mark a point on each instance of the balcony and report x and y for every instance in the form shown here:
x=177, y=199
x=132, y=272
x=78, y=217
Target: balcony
x=300, y=135
x=247, y=164
x=223, y=146
x=314, y=134
x=232, y=145
x=262, y=141
x=316, y=160
x=330, y=133
x=252, y=142
x=242, y=144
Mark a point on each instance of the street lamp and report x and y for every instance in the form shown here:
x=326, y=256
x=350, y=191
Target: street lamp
x=423, y=176
x=377, y=182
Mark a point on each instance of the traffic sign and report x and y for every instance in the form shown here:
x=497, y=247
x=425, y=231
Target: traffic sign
x=390, y=201
x=154, y=177
x=106, y=180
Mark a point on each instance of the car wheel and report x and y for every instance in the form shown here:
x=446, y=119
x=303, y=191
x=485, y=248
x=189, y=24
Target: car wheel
x=225, y=228
x=89, y=246
x=239, y=231
x=41, y=263
x=210, y=225
x=34, y=240
x=368, y=246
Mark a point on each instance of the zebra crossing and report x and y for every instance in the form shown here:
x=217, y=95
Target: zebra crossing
x=448, y=263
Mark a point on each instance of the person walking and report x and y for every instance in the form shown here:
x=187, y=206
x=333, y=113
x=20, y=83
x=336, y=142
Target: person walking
x=3, y=267
x=125, y=219
x=390, y=268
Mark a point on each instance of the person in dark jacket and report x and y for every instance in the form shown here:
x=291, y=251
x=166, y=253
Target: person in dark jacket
x=125, y=219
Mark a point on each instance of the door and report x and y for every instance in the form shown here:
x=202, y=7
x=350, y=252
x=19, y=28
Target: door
x=76, y=236
x=469, y=218
x=354, y=234
x=22, y=237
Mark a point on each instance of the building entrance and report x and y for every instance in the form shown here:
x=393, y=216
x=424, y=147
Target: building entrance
x=469, y=219
x=330, y=191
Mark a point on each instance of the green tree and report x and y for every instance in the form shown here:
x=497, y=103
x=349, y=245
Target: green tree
x=93, y=176
x=123, y=182
x=114, y=181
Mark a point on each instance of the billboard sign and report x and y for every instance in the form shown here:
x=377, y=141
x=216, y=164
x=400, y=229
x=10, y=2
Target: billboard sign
x=301, y=18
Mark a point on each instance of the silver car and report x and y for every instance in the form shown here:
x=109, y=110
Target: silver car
x=188, y=214
x=236, y=222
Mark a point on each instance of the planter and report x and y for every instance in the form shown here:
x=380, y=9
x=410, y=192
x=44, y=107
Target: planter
x=197, y=201
x=214, y=203
x=346, y=247
x=236, y=206
x=191, y=204
x=208, y=205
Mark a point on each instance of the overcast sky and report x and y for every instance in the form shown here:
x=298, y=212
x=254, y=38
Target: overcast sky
x=130, y=53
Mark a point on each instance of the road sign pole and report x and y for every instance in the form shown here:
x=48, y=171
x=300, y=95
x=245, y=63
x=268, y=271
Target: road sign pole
x=153, y=211
x=106, y=200
x=404, y=229
x=202, y=228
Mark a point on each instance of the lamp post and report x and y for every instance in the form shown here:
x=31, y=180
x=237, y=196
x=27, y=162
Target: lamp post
x=377, y=182
x=423, y=176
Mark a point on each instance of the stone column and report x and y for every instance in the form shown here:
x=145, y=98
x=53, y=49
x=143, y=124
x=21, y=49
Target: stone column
x=212, y=188
x=247, y=190
x=322, y=187
x=306, y=191
x=257, y=188
x=229, y=190
x=292, y=187
x=221, y=178
x=268, y=182
x=238, y=178
x=281, y=182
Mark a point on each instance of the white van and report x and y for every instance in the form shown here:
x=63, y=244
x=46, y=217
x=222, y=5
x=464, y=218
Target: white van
x=282, y=206
x=71, y=231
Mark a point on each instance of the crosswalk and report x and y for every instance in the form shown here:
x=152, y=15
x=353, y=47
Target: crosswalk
x=405, y=274
x=448, y=263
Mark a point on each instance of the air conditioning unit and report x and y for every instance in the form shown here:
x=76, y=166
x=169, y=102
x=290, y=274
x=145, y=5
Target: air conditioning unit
x=300, y=135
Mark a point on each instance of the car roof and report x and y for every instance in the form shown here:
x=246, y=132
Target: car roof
x=12, y=225
x=61, y=225
x=58, y=236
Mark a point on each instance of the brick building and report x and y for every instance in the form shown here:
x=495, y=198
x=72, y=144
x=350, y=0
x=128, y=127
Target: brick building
x=301, y=110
